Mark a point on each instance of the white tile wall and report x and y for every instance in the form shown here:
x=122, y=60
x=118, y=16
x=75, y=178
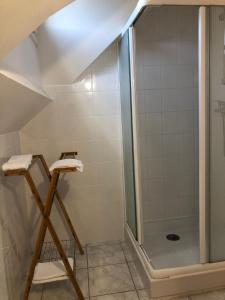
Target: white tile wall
x=167, y=114
x=14, y=235
x=85, y=116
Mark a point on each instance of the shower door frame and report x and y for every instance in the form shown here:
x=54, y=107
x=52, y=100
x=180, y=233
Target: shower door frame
x=203, y=65
x=203, y=136
x=139, y=214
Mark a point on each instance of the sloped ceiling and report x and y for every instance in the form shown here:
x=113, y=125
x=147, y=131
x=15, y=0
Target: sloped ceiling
x=71, y=39
x=18, y=103
x=68, y=42
x=18, y=18
x=21, y=93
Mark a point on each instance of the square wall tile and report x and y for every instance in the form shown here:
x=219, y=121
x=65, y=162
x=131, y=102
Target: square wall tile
x=170, y=101
x=153, y=123
x=106, y=103
x=170, y=122
x=152, y=101
x=168, y=77
x=184, y=76
x=151, y=77
x=153, y=146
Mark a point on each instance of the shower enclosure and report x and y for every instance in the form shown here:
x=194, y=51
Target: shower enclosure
x=172, y=80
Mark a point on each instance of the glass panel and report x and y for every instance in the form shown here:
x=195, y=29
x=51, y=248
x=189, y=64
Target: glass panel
x=167, y=105
x=126, y=115
x=217, y=134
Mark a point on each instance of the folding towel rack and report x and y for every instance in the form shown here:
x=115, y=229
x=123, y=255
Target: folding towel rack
x=46, y=222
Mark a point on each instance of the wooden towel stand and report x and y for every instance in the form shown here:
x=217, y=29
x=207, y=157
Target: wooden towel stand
x=46, y=222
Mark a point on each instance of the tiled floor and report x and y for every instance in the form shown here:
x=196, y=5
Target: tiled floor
x=107, y=272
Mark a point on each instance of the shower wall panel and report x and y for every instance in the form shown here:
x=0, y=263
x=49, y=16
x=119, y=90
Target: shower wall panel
x=217, y=133
x=167, y=97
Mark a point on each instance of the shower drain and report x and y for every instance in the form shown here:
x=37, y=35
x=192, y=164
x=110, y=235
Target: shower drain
x=173, y=237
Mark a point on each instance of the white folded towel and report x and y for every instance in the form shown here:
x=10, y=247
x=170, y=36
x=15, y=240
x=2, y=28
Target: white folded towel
x=18, y=162
x=67, y=163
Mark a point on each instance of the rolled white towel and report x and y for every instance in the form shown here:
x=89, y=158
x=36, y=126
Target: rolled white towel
x=18, y=162
x=67, y=163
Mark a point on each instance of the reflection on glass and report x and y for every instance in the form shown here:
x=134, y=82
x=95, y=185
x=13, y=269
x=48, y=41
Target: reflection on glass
x=167, y=105
x=217, y=133
x=126, y=116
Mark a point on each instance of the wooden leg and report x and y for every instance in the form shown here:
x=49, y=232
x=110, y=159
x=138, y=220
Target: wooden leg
x=47, y=223
x=67, y=218
x=65, y=261
x=36, y=255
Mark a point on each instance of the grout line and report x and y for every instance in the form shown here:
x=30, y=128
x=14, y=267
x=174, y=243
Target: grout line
x=129, y=271
x=99, y=295
x=89, y=292
x=116, y=264
x=42, y=292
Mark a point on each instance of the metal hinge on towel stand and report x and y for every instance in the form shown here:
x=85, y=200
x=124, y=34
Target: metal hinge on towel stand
x=46, y=222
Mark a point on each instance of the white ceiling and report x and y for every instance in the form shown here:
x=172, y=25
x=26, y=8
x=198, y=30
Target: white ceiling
x=18, y=18
x=71, y=39
x=68, y=42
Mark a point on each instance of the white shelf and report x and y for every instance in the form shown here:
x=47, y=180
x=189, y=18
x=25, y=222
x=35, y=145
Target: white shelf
x=51, y=271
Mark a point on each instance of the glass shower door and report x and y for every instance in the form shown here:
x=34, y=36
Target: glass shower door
x=167, y=120
x=127, y=132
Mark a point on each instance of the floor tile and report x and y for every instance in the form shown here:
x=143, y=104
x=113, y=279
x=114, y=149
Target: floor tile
x=216, y=295
x=110, y=279
x=82, y=278
x=136, y=276
x=130, y=256
x=81, y=260
x=144, y=294
x=118, y=296
x=172, y=298
x=105, y=254
x=60, y=290
x=36, y=292
x=63, y=290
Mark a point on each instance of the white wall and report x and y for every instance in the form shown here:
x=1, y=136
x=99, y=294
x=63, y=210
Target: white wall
x=70, y=40
x=168, y=116
x=85, y=117
x=14, y=228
